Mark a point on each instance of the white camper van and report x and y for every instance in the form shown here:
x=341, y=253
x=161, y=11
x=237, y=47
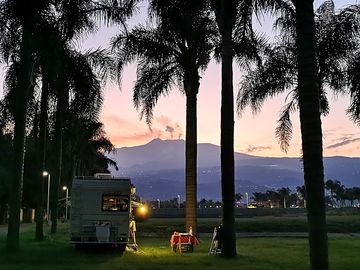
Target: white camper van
x=100, y=210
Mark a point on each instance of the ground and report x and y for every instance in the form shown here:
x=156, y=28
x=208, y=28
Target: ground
x=260, y=253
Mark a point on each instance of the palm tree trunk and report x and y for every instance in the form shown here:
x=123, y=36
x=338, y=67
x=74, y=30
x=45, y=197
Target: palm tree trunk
x=227, y=145
x=21, y=95
x=311, y=134
x=225, y=12
x=3, y=212
x=39, y=233
x=191, y=161
x=55, y=184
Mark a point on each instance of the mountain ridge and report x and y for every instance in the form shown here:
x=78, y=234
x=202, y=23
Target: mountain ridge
x=157, y=168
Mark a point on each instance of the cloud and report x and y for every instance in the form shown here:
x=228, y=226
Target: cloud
x=343, y=141
x=135, y=138
x=252, y=149
x=123, y=132
x=171, y=127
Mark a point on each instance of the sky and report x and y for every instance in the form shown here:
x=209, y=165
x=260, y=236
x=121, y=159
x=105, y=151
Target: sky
x=254, y=134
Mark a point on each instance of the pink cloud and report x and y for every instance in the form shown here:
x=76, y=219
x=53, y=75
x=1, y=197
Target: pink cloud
x=127, y=133
x=252, y=149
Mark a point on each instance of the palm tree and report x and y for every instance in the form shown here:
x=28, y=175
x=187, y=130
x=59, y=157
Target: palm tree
x=278, y=73
x=315, y=68
x=85, y=148
x=225, y=12
x=310, y=101
x=332, y=185
x=22, y=18
x=5, y=166
x=77, y=17
x=73, y=19
x=311, y=132
x=174, y=52
x=79, y=87
x=238, y=197
x=301, y=190
x=285, y=194
x=19, y=24
x=237, y=39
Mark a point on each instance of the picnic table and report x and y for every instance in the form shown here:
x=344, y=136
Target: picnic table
x=183, y=242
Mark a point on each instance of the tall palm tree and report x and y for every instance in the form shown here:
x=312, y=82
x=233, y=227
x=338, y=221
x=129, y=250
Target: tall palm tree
x=309, y=97
x=301, y=190
x=86, y=145
x=237, y=40
x=311, y=132
x=72, y=19
x=78, y=86
x=23, y=18
x=315, y=68
x=5, y=166
x=174, y=52
x=77, y=18
x=285, y=194
x=278, y=73
x=19, y=23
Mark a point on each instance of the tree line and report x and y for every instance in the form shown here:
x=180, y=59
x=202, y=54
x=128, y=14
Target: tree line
x=336, y=195
x=53, y=90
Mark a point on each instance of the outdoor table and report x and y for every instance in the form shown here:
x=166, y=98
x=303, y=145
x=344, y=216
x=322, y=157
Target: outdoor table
x=183, y=242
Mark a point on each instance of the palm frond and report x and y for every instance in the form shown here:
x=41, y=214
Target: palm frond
x=102, y=63
x=153, y=80
x=114, y=11
x=337, y=40
x=142, y=43
x=74, y=19
x=284, y=129
x=354, y=88
x=85, y=85
x=277, y=75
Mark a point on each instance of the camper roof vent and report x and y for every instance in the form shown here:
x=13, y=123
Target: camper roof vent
x=103, y=175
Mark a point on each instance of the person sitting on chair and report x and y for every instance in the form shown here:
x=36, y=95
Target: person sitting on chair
x=219, y=236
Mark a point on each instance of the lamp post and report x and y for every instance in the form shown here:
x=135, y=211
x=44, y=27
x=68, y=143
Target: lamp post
x=45, y=173
x=66, y=201
x=178, y=201
x=158, y=201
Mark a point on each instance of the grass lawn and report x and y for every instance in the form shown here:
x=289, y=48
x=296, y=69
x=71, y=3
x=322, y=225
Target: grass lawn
x=336, y=224
x=155, y=254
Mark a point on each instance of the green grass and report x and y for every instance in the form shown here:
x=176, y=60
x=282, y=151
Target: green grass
x=336, y=224
x=156, y=254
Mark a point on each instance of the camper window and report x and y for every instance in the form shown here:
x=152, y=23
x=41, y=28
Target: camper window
x=115, y=203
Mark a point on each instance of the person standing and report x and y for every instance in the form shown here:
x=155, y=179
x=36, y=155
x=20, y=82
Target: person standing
x=132, y=229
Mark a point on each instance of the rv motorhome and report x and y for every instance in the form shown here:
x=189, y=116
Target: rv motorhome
x=100, y=210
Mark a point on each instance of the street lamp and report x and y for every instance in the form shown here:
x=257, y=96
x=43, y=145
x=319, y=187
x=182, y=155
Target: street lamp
x=45, y=173
x=66, y=201
x=178, y=201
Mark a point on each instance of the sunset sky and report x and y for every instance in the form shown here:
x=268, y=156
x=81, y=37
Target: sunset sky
x=254, y=134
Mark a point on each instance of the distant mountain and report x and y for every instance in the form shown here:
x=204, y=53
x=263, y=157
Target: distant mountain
x=167, y=154
x=157, y=169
